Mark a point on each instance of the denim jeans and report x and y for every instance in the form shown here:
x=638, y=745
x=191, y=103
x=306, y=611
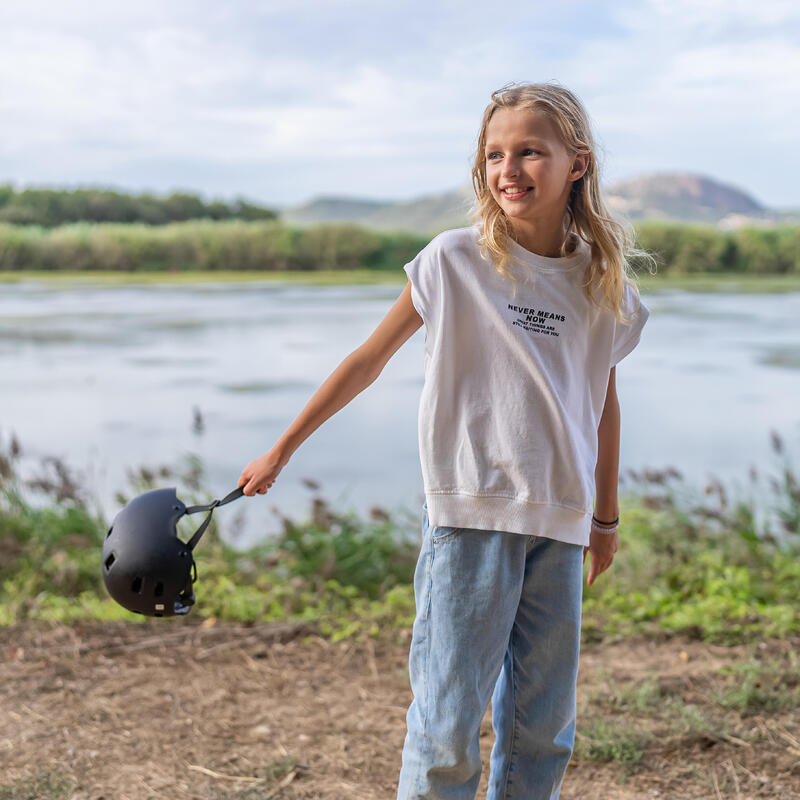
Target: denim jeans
x=498, y=615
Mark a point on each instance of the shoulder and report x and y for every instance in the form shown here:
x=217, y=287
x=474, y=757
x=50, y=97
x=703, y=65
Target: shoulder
x=456, y=242
x=634, y=311
x=632, y=299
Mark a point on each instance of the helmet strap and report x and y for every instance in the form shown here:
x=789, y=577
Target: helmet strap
x=234, y=495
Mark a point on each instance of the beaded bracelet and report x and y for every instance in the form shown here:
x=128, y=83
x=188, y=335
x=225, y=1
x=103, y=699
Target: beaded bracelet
x=605, y=527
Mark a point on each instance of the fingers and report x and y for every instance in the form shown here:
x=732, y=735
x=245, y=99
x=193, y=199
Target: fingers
x=601, y=554
x=598, y=566
x=252, y=487
x=260, y=474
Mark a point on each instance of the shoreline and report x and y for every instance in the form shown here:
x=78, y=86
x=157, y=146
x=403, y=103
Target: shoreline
x=733, y=283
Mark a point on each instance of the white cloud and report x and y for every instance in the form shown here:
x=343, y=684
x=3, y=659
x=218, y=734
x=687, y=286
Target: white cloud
x=354, y=94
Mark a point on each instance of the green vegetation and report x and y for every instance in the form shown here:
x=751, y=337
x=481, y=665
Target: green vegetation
x=51, y=207
x=687, y=249
x=649, y=284
x=321, y=277
x=604, y=739
x=696, y=565
x=226, y=245
x=43, y=784
x=202, y=245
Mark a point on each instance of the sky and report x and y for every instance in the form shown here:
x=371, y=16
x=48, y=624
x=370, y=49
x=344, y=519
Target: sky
x=286, y=100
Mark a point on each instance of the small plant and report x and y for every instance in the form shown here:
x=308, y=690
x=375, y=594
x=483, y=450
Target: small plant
x=606, y=740
x=757, y=687
x=43, y=785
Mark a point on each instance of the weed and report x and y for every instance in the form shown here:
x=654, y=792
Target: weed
x=757, y=687
x=43, y=785
x=610, y=739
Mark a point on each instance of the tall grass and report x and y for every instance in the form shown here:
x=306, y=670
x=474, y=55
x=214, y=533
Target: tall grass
x=202, y=245
x=691, y=560
x=270, y=245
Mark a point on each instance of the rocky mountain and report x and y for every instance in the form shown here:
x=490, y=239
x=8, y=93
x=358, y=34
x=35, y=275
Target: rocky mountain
x=679, y=196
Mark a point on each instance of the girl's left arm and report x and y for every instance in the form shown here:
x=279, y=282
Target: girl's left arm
x=606, y=473
x=602, y=546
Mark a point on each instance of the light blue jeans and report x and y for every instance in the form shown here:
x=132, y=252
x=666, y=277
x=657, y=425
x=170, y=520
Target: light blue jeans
x=498, y=615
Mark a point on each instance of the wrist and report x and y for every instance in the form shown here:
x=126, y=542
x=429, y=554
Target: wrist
x=283, y=451
x=606, y=509
x=605, y=523
x=605, y=526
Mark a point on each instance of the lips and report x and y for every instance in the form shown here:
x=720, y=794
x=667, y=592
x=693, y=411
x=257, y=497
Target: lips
x=514, y=192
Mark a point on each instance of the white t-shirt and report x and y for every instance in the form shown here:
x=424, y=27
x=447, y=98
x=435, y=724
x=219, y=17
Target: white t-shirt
x=514, y=387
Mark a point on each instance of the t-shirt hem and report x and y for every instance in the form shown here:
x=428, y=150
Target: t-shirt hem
x=497, y=513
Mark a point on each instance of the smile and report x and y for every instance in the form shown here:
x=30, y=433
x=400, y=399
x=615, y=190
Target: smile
x=514, y=192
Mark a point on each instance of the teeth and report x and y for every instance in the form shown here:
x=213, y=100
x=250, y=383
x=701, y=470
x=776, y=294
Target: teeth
x=514, y=189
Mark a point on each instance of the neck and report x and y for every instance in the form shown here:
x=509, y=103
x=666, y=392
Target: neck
x=543, y=242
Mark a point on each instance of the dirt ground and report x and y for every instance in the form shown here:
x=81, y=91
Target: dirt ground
x=182, y=709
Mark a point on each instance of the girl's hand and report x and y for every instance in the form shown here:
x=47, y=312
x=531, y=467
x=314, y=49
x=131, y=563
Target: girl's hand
x=602, y=547
x=259, y=475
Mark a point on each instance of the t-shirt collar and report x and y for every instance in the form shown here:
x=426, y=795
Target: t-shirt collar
x=579, y=257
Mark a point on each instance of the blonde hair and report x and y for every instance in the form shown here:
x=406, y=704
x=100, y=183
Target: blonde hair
x=612, y=243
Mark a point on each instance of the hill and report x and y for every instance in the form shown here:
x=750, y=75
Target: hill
x=677, y=196
x=680, y=196
x=427, y=214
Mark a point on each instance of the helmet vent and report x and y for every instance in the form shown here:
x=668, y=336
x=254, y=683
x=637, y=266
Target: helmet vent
x=136, y=586
x=159, y=590
x=109, y=561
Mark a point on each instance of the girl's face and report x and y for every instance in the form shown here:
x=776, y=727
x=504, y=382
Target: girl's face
x=528, y=170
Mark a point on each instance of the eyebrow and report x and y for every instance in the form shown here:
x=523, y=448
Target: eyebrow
x=529, y=140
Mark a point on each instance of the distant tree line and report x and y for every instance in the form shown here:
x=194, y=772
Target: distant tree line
x=203, y=245
x=271, y=245
x=682, y=248
x=52, y=207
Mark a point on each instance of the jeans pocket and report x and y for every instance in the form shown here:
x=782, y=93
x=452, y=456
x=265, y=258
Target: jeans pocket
x=442, y=534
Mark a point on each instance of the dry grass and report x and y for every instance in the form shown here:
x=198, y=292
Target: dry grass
x=223, y=711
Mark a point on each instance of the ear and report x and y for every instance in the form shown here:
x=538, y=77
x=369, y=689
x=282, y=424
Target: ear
x=580, y=163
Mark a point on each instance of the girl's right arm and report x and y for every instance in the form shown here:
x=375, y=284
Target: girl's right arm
x=350, y=378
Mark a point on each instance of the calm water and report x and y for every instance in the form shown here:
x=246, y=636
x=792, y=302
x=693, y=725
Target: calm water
x=107, y=378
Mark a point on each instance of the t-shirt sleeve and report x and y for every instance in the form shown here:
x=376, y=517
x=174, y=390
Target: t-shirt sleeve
x=626, y=337
x=421, y=273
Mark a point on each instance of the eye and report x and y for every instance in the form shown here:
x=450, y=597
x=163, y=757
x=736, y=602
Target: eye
x=491, y=156
x=530, y=151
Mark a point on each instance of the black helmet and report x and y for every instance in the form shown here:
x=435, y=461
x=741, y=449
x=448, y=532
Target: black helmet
x=146, y=567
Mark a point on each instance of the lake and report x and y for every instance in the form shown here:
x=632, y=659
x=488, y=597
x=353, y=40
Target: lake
x=108, y=378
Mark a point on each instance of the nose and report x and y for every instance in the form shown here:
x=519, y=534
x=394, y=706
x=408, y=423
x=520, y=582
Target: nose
x=510, y=167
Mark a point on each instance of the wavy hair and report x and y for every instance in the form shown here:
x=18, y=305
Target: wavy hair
x=612, y=242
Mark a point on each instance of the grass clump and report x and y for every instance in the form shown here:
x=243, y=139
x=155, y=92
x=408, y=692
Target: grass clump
x=43, y=785
x=609, y=739
x=756, y=687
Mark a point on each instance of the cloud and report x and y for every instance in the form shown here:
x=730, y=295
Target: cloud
x=300, y=98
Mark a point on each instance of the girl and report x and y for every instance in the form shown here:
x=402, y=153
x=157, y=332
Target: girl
x=526, y=316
